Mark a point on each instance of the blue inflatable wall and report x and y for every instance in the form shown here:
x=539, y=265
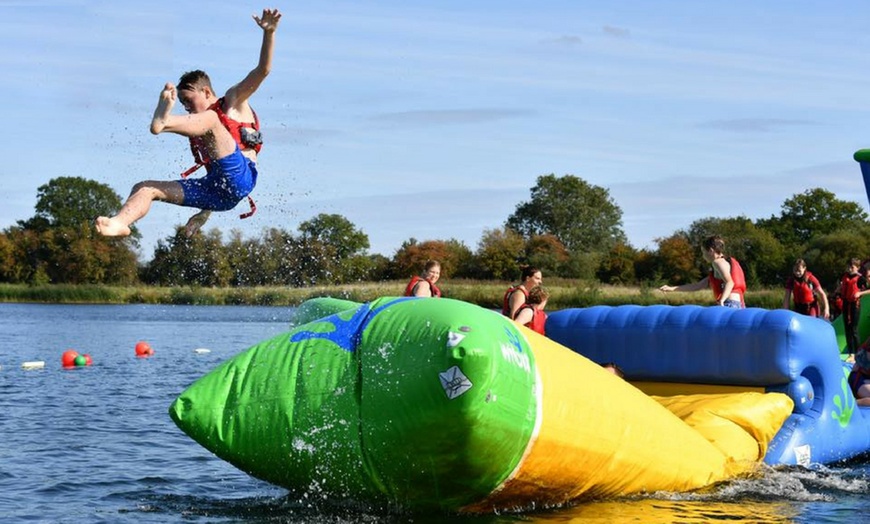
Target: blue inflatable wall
x=778, y=350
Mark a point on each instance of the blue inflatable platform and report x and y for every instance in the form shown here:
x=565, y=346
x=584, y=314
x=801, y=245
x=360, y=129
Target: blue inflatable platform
x=671, y=350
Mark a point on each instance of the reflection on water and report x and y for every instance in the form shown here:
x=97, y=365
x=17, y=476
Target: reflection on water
x=652, y=511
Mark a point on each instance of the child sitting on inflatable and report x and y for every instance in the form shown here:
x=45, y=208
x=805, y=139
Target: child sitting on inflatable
x=424, y=284
x=531, y=314
x=517, y=295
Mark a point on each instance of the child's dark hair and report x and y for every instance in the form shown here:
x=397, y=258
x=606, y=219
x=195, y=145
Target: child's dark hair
x=528, y=272
x=612, y=365
x=716, y=243
x=193, y=80
x=537, y=295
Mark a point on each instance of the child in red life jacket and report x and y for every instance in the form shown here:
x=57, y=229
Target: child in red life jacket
x=725, y=278
x=805, y=288
x=424, y=285
x=517, y=295
x=836, y=305
x=850, y=288
x=531, y=314
x=224, y=137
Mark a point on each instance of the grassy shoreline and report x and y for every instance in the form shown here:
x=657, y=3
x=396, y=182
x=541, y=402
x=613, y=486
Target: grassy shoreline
x=563, y=294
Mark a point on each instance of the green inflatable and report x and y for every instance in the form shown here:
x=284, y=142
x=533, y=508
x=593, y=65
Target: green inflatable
x=333, y=406
x=863, y=325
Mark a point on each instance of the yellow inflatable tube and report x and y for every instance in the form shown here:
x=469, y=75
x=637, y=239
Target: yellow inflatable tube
x=599, y=436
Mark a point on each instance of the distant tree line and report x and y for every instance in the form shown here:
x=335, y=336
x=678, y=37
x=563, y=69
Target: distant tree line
x=568, y=228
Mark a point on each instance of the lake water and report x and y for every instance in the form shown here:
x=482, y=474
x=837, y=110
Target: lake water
x=96, y=444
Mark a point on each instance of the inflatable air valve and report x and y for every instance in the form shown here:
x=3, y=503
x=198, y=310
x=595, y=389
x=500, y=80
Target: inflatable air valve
x=800, y=391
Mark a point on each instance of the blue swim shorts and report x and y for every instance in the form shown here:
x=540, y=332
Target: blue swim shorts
x=228, y=180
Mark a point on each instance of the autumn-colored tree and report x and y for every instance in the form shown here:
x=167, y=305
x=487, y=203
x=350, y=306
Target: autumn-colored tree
x=547, y=253
x=412, y=257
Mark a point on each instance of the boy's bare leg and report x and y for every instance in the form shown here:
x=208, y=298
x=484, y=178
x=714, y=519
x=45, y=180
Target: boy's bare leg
x=196, y=222
x=137, y=206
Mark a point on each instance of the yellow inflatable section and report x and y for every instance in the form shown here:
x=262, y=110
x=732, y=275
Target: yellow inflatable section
x=599, y=436
x=740, y=425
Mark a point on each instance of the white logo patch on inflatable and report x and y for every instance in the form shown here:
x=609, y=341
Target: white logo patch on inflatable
x=453, y=339
x=454, y=382
x=802, y=455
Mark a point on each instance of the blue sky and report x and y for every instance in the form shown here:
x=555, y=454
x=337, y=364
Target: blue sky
x=433, y=120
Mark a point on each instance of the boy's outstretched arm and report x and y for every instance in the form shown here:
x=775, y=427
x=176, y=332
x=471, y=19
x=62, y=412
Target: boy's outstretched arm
x=240, y=92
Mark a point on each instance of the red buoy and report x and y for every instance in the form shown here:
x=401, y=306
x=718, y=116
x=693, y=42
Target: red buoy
x=143, y=349
x=68, y=359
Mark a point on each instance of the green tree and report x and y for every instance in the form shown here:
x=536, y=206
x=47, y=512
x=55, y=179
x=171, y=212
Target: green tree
x=199, y=260
x=582, y=216
x=270, y=260
x=827, y=255
x=811, y=213
x=338, y=232
x=617, y=267
x=58, y=244
x=71, y=201
x=647, y=267
x=499, y=254
x=678, y=259
x=335, y=251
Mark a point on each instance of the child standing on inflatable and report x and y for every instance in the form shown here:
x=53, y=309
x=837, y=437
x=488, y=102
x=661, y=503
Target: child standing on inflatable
x=224, y=136
x=808, y=292
x=531, y=314
x=725, y=278
x=852, y=287
x=518, y=295
x=424, y=285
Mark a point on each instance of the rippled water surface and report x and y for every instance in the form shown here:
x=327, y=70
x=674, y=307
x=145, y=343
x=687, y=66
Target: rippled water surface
x=96, y=444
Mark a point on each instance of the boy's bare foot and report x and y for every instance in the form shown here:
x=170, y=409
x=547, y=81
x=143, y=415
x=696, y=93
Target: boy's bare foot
x=111, y=227
x=195, y=223
x=164, y=108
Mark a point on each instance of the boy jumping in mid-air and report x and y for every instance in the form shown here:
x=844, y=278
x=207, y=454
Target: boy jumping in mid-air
x=224, y=137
